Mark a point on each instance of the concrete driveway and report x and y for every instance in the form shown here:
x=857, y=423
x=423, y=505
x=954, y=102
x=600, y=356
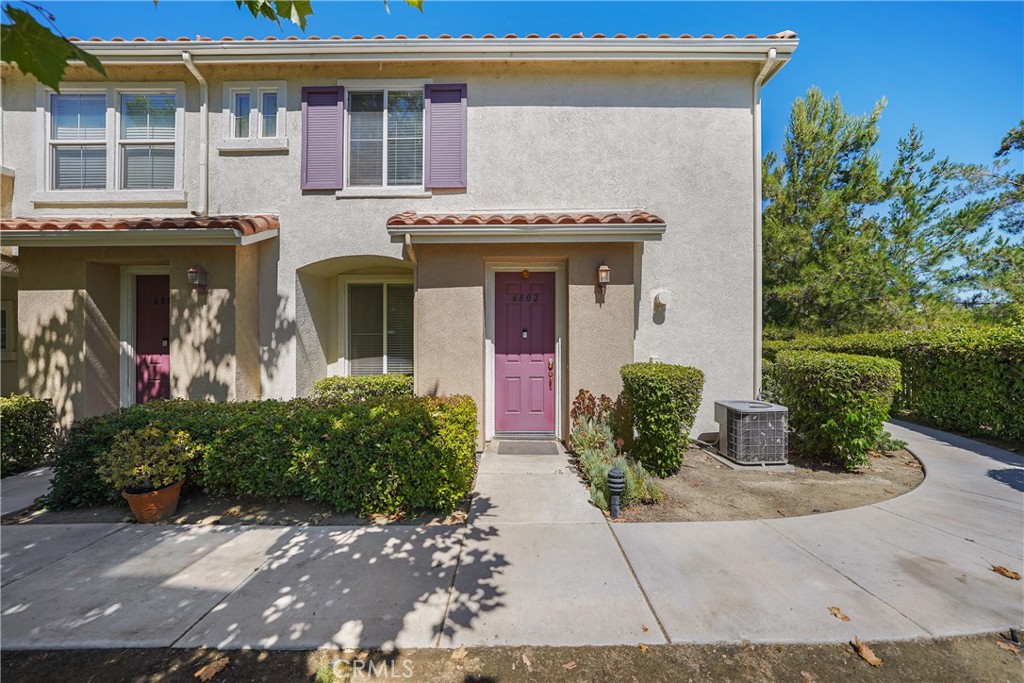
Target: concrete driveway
x=537, y=565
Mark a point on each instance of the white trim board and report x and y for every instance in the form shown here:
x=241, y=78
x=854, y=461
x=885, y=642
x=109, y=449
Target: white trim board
x=126, y=383
x=561, y=335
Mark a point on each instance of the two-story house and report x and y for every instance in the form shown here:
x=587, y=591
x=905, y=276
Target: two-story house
x=513, y=218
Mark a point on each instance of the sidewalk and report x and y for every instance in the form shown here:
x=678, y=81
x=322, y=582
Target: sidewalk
x=537, y=565
x=20, y=491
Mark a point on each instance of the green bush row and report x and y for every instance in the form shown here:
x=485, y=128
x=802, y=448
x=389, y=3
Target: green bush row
x=970, y=380
x=661, y=401
x=353, y=389
x=837, y=402
x=26, y=433
x=371, y=457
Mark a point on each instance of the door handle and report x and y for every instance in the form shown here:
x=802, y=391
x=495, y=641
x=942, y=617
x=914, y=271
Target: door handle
x=551, y=373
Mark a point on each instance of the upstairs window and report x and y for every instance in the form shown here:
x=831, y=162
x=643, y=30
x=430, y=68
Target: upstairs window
x=385, y=138
x=255, y=110
x=78, y=141
x=147, y=141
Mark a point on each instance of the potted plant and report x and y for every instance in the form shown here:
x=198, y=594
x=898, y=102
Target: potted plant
x=148, y=466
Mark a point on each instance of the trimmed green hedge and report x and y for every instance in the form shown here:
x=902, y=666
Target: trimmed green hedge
x=970, y=380
x=392, y=457
x=662, y=402
x=26, y=432
x=837, y=402
x=352, y=389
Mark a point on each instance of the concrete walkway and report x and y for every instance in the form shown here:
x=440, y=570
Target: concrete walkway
x=19, y=492
x=537, y=565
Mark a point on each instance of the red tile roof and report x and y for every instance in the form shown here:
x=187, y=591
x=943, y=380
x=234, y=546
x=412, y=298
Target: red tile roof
x=595, y=218
x=246, y=225
x=781, y=35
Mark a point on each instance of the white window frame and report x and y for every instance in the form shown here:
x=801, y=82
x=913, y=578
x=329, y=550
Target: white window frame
x=382, y=85
x=344, y=366
x=124, y=144
x=52, y=145
x=9, y=351
x=113, y=193
x=255, y=141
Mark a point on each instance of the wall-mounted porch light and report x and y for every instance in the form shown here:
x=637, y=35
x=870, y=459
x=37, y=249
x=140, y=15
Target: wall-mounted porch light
x=604, y=276
x=197, y=278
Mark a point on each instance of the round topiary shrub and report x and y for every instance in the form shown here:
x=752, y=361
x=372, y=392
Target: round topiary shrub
x=837, y=402
x=662, y=402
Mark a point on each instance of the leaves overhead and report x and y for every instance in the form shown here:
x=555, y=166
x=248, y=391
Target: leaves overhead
x=38, y=51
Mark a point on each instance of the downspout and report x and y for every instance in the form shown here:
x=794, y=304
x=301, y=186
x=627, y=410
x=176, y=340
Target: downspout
x=758, y=304
x=204, y=136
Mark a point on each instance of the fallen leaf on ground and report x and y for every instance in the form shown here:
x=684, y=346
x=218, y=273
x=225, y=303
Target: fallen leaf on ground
x=807, y=677
x=526, y=661
x=781, y=513
x=212, y=669
x=569, y=665
x=460, y=653
x=645, y=629
x=644, y=648
x=838, y=614
x=1003, y=571
x=865, y=652
x=889, y=490
x=1009, y=647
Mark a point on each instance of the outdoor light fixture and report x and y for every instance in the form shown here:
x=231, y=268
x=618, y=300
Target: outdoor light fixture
x=197, y=278
x=616, y=485
x=604, y=276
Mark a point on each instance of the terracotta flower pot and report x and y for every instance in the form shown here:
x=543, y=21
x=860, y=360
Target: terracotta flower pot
x=152, y=506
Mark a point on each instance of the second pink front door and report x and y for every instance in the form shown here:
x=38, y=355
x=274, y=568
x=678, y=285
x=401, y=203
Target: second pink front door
x=524, y=352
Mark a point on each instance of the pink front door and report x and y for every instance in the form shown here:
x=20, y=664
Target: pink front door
x=524, y=352
x=152, y=337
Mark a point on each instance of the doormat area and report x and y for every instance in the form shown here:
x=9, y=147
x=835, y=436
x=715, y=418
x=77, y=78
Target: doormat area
x=527, y=448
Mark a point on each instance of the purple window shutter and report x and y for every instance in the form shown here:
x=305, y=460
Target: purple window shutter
x=323, y=117
x=444, y=157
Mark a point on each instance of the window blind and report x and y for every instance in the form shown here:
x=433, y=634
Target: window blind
x=366, y=329
x=241, y=115
x=400, y=329
x=405, y=137
x=147, y=117
x=366, y=139
x=78, y=117
x=148, y=167
x=79, y=167
x=269, y=112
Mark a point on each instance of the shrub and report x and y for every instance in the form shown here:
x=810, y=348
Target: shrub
x=26, y=433
x=662, y=402
x=355, y=389
x=371, y=457
x=970, y=380
x=769, y=382
x=837, y=402
x=146, y=459
x=640, y=486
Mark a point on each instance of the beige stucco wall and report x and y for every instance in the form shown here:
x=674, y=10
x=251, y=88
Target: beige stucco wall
x=675, y=139
x=69, y=324
x=594, y=332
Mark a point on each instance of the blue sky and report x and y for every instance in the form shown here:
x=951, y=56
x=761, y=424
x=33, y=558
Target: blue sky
x=956, y=69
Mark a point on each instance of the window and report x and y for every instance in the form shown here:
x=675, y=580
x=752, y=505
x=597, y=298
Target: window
x=380, y=329
x=147, y=141
x=78, y=141
x=116, y=137
x=385, y=138
x=6, y=330
x=255, y=109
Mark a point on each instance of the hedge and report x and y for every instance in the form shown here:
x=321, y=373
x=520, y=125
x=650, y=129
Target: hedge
x=352, y=389
x=26, y=432
x=969, y=380
x=393, y=457
x=662, y=402
x=837, y=402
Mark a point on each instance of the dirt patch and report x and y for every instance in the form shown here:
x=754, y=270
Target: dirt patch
x=196, y=507
x=705, y=489
x=972, y=659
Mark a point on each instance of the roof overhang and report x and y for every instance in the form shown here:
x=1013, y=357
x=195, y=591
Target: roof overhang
x=211, y=237
x=731, y=49
x=489, y=228
x=138, y=232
